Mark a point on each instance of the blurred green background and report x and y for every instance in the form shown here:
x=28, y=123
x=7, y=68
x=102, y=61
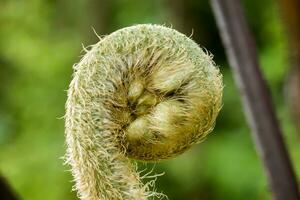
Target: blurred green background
x=40, y=40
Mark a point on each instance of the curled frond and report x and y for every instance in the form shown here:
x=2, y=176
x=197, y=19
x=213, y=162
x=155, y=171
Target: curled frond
x=145, y=92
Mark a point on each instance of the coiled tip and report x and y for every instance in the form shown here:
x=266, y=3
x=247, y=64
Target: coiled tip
x=162, y=91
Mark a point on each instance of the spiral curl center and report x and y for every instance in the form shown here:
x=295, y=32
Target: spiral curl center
x=160, y=102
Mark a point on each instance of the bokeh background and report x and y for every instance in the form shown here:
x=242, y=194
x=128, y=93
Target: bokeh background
x=40, y=40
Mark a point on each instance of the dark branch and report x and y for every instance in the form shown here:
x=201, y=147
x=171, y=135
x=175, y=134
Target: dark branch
x=241, y=51
x=6, y=193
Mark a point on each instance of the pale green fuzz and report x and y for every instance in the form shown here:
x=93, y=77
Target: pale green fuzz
x=145, y=103
x=135, y=90
x=137, y=129
x=145, y=92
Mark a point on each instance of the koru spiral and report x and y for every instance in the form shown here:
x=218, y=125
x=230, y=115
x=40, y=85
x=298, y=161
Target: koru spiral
x=145, y=92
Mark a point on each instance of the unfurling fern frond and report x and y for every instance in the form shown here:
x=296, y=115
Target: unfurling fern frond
x=145, y=92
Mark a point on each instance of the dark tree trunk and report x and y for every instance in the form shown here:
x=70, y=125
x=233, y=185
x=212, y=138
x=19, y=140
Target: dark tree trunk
x=6, y=192
x=241, y=52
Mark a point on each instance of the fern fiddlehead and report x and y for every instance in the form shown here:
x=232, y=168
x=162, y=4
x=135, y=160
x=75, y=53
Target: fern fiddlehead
x=145, y=92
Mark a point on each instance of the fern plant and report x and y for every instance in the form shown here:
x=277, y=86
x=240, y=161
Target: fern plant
x=145, y=92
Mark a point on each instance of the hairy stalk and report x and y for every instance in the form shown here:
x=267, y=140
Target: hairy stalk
x=145, y=92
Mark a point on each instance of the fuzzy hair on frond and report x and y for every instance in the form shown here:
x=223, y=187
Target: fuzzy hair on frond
x=145, y=92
